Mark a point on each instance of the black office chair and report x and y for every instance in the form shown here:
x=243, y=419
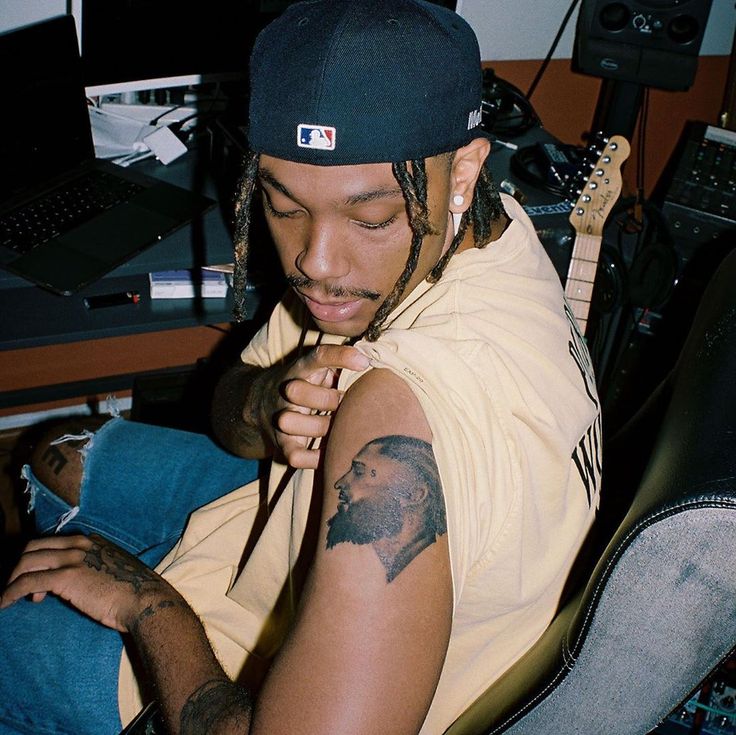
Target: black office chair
x=658, y=612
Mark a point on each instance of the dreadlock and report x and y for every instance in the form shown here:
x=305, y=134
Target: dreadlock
x=484, y=210
x=414, y=187
x=243, y=211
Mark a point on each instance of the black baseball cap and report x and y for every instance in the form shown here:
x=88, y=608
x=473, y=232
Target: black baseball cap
x=337, y=82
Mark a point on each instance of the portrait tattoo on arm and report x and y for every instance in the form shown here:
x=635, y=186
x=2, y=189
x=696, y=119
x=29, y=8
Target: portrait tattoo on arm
x=391, y=498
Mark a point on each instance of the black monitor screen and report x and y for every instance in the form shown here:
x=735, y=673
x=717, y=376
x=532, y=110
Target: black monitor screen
x=130, y=45
x=138, y=44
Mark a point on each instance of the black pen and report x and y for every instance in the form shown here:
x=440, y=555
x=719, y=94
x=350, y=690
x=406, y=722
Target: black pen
x=112, y=299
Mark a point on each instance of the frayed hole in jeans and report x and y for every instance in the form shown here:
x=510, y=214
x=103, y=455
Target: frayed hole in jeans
x=30, y=489
x=85, y=434
x=66, y=517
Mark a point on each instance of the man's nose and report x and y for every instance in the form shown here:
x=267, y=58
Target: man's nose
x=323, y=256
x=340, y=483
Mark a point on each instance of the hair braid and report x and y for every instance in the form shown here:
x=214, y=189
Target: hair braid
x=413, y=185
x=484, y=210
x=243, y=211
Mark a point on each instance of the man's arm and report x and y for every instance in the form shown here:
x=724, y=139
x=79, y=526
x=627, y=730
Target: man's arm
x=119, y=591
x=195, y=695
x=368, y=646
x=256, y=411
x=242, y=409
x=371, y=635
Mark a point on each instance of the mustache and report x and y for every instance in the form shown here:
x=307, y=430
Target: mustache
x=337, y=292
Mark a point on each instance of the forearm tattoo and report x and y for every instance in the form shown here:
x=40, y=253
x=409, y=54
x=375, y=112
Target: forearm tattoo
x=217, y=706
x=150, y=611
x=120, y=565
x=391, y=498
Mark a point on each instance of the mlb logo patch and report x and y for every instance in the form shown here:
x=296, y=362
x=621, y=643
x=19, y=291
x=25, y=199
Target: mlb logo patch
x=315, y=136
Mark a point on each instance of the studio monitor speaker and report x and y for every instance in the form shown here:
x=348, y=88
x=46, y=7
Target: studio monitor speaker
x=650, y=42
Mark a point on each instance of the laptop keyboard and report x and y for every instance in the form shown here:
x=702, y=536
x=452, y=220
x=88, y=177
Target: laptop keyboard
x=63, y=209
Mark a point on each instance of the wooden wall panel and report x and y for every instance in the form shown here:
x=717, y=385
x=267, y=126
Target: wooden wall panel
x=79, y=361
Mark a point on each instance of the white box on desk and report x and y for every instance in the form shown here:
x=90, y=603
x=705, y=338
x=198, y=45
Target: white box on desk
x=179, y=284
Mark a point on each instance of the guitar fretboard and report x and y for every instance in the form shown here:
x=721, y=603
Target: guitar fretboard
x=581, y=276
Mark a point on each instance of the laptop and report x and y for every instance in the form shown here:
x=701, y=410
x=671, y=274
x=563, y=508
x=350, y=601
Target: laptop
x=66, y=217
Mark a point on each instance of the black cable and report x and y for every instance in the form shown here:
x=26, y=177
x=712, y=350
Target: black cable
x=641, y=159
x=551, y=51
x=506, y=111
x=211, y=100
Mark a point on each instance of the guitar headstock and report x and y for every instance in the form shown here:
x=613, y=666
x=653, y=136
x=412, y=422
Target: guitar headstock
x=601, y=187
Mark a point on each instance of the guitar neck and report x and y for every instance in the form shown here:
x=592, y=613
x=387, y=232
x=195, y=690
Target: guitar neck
x=595, y=202
x=581, y=276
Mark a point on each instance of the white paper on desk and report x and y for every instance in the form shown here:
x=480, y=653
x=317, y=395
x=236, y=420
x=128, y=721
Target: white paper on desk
x=115, y=135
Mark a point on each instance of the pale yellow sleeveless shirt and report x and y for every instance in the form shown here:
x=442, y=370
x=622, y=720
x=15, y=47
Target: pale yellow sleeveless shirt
x=506, y=384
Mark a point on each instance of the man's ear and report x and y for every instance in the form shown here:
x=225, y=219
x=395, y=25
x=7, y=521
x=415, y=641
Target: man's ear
x=466, y=168
x=417, y=495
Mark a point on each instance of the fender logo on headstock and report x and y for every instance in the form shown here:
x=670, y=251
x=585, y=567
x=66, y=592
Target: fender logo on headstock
x=598, y=195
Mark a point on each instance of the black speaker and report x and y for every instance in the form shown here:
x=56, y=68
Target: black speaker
x=649, y=42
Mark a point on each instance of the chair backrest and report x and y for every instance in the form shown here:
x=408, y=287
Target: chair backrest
x=658, y=611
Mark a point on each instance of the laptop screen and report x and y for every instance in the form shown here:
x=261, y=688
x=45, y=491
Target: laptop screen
x=44, y=128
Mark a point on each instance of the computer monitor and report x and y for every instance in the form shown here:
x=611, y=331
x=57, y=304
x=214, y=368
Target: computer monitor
x=136, y=45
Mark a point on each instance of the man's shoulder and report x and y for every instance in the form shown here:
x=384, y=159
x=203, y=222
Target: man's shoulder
x=375, y=397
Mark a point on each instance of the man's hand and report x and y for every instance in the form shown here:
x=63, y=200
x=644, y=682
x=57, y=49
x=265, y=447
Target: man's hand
x=116, y=589
x=307, y=398
x=92, y=574
x=283, y=408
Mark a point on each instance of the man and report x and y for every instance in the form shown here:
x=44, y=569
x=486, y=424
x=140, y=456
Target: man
x=390, y=498
x=427, y=388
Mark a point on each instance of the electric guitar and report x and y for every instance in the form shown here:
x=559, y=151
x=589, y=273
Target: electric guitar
x=597, y=197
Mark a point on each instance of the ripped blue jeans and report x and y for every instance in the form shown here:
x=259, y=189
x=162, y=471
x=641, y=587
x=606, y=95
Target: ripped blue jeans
x=58, y=668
